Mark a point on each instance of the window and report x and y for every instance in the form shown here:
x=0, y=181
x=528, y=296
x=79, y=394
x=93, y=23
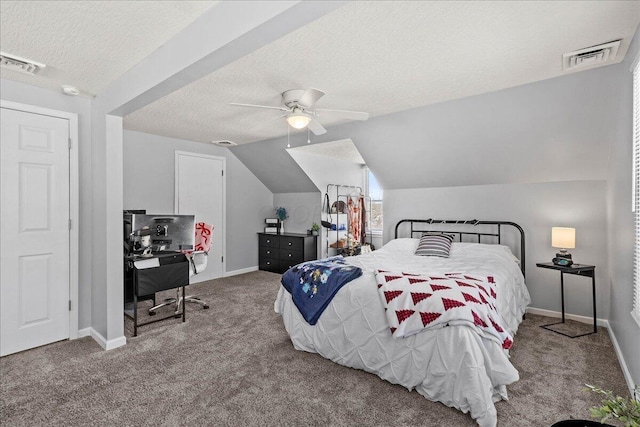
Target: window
x=636, y=188
x=374, y=192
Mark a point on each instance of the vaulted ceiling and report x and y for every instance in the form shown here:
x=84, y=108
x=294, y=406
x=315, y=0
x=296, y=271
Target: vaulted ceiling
x=380, y=57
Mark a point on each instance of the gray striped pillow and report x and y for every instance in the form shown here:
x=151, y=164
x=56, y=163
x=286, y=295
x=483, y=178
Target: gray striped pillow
x=435, y=245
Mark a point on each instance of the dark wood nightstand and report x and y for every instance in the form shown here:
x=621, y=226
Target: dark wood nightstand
x=578, y=270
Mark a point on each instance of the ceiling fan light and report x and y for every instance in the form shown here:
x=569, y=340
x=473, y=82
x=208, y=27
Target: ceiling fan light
x=298, y=121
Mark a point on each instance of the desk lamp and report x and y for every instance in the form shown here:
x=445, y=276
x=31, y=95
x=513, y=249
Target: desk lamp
x=563, y=238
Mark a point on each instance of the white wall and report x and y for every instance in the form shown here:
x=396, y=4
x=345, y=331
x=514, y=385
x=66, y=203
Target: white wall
x=303, y=210
x=620, y=221
x=31, y=95
x=537, y=208
x=149, y=184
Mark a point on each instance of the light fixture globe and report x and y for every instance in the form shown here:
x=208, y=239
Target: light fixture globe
x=298, y=121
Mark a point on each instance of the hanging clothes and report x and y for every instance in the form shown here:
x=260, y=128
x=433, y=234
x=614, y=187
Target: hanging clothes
x=363, y=221
x=355, y=220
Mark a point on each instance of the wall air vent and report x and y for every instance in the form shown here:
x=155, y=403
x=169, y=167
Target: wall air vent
x=590, y=56
x=21, y=65
x=224, y=143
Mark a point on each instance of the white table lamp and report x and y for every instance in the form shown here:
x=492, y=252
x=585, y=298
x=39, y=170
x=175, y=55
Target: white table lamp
x=563, y=238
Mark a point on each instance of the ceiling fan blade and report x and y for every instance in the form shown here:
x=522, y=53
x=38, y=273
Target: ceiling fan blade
x=310, y=97
x=260, y=106
x=342, y=114
x=269, y=122
x=316, y=127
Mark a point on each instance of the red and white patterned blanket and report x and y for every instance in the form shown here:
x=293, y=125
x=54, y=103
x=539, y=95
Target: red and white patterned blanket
x=414, y=302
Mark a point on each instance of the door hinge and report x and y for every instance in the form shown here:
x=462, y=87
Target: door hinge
x=69, y=305
x=69, y=224
x=222, y=172
x=69, y=143
x=221, y=259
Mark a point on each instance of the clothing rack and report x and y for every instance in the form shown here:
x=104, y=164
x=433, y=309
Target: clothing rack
x=342, y=193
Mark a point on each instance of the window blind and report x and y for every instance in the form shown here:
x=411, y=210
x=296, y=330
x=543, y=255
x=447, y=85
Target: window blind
x=636, y=190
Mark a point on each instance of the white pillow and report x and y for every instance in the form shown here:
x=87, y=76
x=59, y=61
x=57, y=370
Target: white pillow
x=401, y=245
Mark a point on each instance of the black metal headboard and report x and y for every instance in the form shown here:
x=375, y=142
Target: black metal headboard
x=416, y=227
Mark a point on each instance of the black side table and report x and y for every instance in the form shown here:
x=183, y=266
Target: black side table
x=578, y=270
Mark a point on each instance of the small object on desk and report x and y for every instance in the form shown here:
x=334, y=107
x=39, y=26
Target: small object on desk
x=564, y=262
x=271, y=229
x=577, y=270
x=275, y=221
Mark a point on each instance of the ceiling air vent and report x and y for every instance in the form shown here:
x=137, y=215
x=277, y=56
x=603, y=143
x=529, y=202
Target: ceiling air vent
x=21, y=65
x=590, y=56
x=224, y=143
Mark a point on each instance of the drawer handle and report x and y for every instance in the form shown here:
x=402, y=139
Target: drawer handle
x=268, y=262
x=268, y=241
x=289, y=255
x=289, y=243
x=268, y=252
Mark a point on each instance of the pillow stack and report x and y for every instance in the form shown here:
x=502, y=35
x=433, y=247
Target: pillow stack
x=435, y=245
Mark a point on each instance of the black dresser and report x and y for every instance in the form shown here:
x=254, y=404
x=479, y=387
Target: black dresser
x=279, y=252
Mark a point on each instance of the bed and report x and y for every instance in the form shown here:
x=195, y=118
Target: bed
x=452, y=364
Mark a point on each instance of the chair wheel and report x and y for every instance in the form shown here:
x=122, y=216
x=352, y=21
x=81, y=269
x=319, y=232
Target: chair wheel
x=152, y=313
x=205, y=306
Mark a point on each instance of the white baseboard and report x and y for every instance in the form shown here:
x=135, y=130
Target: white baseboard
x=86, y=332
x=577, y=318
x=625, y=369
x=241, y=271
x=104, y=343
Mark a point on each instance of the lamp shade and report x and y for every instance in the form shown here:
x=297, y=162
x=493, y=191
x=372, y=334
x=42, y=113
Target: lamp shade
x=298, y=121
x=563, y=237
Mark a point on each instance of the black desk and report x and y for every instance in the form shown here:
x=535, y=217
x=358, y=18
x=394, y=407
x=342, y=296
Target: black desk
x=578, y=270
x=171, y=272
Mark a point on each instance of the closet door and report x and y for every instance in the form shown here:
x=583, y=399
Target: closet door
x=34, y=250
x=200, y=191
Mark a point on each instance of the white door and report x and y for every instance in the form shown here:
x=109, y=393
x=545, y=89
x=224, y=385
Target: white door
x=34, y=231
x=200, y=191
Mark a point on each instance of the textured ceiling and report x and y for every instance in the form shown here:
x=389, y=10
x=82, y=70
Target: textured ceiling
x=89, y=44
x=343, y=149
x=375, y=56
x=383, y=57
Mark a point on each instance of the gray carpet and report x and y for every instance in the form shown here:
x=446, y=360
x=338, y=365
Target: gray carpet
x=234, y=365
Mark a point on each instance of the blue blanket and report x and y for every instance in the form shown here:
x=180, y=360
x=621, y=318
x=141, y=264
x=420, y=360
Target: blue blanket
x=313, y=284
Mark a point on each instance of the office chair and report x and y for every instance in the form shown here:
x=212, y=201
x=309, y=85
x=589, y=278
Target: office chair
x=197, y=264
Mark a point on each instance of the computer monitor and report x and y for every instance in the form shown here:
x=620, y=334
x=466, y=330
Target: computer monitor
x=166, y=232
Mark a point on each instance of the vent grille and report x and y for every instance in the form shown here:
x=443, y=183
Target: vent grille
x=21, y=65
x=590, y=56
x=224, y=143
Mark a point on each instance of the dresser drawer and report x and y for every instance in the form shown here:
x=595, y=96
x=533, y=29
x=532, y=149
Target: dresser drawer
x=290, y=256
x=270, y=241
x=270, y=264
x=268, y=252
x=285, y=265
x=291, y=243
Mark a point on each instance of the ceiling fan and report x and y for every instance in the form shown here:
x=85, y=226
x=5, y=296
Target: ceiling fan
x=297, y=103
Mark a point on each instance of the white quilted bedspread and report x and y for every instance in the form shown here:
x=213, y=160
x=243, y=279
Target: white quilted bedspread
x=453, y=364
